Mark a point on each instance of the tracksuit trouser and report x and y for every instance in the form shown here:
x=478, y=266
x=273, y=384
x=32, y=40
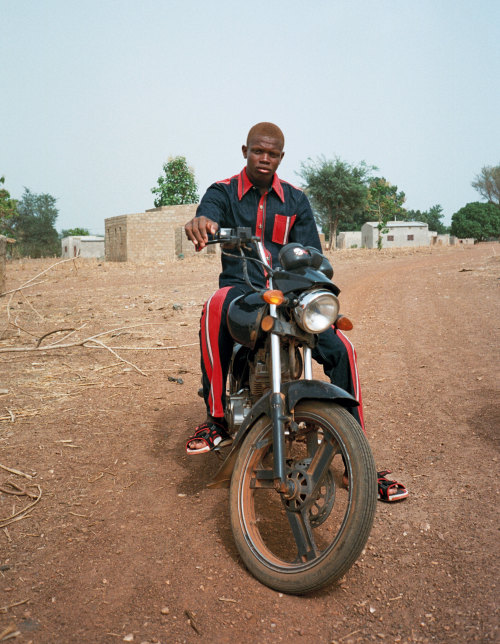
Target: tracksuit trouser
x=333, y=351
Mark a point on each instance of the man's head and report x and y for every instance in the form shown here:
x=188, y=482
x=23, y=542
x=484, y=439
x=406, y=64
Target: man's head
x=263, y=152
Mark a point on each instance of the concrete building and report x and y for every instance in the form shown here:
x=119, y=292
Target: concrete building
x=349, y=239
x=154, y=235
x=82, y=246
x=400, y=234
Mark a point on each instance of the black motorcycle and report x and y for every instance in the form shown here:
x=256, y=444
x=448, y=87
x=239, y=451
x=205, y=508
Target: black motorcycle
x=296, y=524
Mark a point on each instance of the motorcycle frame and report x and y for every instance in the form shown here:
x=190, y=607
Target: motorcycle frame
x=279, y=403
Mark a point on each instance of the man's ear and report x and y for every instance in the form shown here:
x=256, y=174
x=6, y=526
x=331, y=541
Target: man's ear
x=244, y=149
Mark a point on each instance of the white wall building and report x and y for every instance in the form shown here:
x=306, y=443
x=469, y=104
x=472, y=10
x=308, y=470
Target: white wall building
x=349, y=239
x=400, y=234
x=82, y=246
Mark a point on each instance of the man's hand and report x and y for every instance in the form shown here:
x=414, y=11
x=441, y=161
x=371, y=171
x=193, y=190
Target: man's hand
x=198, y=229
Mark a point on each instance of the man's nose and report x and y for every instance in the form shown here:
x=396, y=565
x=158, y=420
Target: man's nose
x=265, y=158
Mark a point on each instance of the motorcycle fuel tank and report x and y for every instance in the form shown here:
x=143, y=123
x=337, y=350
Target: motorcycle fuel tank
x=244, y=317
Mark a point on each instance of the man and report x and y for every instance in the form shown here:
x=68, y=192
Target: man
x=279, y=213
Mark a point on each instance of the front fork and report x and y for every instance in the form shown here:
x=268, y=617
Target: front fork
x=278, y=409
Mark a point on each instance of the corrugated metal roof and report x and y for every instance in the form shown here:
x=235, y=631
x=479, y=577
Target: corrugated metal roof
x=399, y=224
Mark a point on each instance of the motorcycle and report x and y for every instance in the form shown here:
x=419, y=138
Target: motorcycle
x=296, y=525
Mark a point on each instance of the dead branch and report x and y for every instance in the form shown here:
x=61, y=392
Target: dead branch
x=46, y=335
x=32, y=307
x=68, y=334
x=13, y=471
x=77, y=343
x=119, y=357
x=61, y=261
x=21, y=514
x=4, y=609
x=20, y=288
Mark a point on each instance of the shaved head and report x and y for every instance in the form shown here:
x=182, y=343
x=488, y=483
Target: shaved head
x=268, y=130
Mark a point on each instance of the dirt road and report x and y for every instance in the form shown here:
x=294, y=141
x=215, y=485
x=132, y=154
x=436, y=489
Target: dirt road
x=127, y=544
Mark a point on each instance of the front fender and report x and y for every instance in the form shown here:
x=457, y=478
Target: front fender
x=294, y=391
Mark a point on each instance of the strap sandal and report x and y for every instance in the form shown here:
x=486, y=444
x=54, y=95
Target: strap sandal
x=212, y=435
x=389, y=490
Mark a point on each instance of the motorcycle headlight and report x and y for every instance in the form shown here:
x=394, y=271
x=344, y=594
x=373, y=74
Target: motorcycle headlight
x=316, y=311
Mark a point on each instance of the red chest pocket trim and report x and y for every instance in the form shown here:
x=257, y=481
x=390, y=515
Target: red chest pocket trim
x=282, y=227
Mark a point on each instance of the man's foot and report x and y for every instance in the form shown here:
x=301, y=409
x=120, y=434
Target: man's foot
x=208, y=436
x=388, y=490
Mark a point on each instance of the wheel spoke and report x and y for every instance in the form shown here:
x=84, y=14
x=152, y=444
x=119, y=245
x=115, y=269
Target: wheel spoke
x=302, y=533
x=321, y=462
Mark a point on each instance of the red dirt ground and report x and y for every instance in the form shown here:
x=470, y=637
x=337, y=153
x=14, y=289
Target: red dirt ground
x=126, y=541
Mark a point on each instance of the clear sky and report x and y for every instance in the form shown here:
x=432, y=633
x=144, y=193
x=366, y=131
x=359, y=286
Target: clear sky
x=97, y=94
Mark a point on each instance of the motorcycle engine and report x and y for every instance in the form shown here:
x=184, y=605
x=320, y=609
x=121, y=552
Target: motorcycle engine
x=238, y=406
x=260, y=375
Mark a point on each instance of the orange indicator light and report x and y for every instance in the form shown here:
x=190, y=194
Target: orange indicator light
x=343, y=323
x=267, y=323
x=273, y=297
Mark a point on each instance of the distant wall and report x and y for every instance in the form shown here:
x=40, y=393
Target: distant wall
x=82, y=246
x=349, y=239
x=157, y=234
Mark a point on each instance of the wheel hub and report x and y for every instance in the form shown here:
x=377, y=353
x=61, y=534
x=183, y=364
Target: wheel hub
x=299, y=493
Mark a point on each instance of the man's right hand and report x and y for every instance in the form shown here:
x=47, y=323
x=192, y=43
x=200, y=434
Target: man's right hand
x=198, y=229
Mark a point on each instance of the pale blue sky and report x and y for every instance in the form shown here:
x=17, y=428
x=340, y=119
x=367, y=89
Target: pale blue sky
x=97, y=94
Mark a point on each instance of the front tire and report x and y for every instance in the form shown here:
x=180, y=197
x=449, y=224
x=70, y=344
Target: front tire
x=299, y=544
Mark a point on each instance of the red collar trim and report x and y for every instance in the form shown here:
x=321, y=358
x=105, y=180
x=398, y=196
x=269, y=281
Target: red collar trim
x=244, y=185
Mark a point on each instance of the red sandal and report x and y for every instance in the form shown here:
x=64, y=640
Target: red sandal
x=212, y=434
x=385, y=485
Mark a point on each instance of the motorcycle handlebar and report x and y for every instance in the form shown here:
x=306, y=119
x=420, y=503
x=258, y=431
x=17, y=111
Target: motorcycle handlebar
x=228, y=235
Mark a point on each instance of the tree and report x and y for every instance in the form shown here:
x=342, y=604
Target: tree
x=432, y=217
x=386, y=203
x=74, y=232
x=478, y=220
x=177, y=185
x=337, y=191
x=34, y=225
x=487, y=183
x=8, y=210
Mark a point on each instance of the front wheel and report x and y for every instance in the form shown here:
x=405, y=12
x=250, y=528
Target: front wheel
x=303, y=541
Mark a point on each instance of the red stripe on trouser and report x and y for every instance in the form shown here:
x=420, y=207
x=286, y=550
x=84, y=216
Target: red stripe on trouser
x=210, y=325
x=353, y=363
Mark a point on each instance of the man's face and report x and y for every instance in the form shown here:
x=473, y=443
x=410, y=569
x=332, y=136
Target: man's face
x=263, y=155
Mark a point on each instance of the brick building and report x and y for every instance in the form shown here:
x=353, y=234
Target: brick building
x=157, y=235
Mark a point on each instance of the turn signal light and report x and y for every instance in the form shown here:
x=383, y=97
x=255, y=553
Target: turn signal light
x=273, y=297
x=343, y=323
x=267, y=323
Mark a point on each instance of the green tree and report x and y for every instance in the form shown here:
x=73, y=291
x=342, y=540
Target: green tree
x=478, y=220
x=432, y=217
x=8, y=211
x=337, y=191
x=74, y=232
x=34, y=225
x=487, y=183
x=177, y=185
x=385, y=203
